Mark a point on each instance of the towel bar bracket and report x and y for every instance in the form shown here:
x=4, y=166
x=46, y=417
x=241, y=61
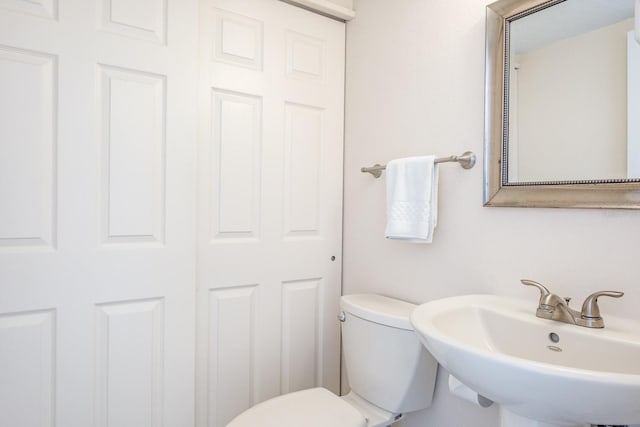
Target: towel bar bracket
x=375, y=170
x=467, y=160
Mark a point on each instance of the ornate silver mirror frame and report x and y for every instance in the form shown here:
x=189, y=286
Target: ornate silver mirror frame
x=498, y=191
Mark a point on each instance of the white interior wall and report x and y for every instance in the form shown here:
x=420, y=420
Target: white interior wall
x=415, y=85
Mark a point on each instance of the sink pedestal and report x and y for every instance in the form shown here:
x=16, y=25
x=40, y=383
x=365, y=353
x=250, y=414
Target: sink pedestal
x=509, y=419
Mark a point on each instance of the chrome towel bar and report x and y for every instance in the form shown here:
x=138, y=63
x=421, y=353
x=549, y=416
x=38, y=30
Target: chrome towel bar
x=467, y=160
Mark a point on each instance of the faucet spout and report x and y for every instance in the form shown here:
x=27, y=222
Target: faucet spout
x=563, y=313
x=553, y=307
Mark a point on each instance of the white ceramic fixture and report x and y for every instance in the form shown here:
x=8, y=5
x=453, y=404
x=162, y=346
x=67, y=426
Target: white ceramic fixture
x=390, y=373
x=541, y=372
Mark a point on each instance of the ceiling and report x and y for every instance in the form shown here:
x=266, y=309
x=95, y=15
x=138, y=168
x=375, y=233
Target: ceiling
x=566, y=19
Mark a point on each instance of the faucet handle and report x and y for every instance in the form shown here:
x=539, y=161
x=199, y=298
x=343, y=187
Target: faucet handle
x=543, y=290
x=545, y=309
x=590, y=309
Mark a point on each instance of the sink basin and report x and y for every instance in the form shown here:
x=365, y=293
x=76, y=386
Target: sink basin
x=541, y=372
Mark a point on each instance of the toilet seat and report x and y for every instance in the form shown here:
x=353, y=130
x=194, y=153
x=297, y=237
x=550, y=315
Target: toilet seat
x=315, y=407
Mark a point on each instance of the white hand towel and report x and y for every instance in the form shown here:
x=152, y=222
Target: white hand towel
x=412, y=199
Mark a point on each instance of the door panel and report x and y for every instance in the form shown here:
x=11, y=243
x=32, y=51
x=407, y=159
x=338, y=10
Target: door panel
x=270, y=203
x=133, y=164
x=233, y=349
x=27, y=156
x=31, y=399
x=129, y=361
x=97, y=261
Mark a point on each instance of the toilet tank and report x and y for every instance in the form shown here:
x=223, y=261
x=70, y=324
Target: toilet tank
x=385, y=361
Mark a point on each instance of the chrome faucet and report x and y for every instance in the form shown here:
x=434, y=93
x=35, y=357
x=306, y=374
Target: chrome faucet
x=553, y=307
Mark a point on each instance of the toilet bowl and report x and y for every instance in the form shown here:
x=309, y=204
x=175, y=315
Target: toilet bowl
x=390, y=374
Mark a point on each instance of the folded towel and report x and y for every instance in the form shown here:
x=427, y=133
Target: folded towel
x=412, y=199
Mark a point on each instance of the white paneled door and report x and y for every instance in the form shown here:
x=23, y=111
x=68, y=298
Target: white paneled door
x=270, y=203
x=104, y=238
x=97, y=211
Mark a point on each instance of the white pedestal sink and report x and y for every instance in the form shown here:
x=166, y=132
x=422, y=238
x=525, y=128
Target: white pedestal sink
x=541, y=372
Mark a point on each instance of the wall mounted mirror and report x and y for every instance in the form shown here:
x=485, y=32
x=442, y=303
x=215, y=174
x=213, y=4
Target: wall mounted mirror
x=562, y=104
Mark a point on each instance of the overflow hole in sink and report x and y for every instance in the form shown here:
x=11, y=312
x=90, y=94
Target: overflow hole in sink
x=553, y=337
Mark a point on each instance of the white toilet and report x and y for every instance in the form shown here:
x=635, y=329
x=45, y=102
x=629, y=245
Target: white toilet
x=390, y=374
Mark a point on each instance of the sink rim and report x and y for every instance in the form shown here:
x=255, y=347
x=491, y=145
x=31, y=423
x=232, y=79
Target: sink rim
x=616, y=330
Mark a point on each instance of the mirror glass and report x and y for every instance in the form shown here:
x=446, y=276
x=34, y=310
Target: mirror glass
x=572, y=77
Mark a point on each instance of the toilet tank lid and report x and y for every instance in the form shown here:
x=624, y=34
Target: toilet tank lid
x=379, y=309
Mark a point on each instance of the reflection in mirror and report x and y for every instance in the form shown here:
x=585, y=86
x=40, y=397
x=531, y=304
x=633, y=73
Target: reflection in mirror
x=570, y=67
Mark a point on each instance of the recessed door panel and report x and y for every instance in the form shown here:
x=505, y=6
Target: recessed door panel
x=28, y=148
x=235, y=179
x=301, y=330
x=231, y=352
x=133, y=155
x=129, y=360
x=27, y=369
